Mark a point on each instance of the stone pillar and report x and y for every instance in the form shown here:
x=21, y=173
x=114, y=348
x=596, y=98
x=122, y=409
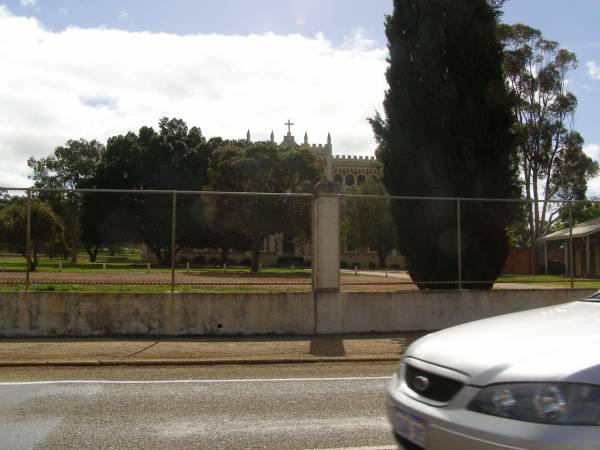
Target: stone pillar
x=326, y=237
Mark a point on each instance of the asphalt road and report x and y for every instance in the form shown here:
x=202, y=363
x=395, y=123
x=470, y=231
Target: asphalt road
x=299, y=406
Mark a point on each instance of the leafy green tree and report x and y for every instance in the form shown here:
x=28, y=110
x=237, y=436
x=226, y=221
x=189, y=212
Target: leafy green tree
x=70, y=166
x=368, y=220
x=446, y=133
x=174, y=158
x=260, y=167
x=4, y=197
x=45, y=227
x=550, y=153
x=580, y=212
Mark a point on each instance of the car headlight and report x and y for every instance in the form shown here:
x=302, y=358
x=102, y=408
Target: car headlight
x=548, y=403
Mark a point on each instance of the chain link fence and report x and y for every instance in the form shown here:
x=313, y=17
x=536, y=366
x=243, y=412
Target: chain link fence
x=56, y=239
x=448, y=236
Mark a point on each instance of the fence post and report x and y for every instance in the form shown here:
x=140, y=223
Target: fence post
x=28, y=243
x=571, y=262
x=173, y=239
x=326, y=237
x=459, y=243
x=545, y=258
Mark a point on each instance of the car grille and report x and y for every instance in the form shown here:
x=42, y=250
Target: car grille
x=441, y=389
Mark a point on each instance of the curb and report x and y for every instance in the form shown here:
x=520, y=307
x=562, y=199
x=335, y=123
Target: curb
x=188, y=362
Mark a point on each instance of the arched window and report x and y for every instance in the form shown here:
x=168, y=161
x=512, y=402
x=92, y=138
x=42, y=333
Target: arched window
x=337, y=178
x=360, y=179
x=349, y=181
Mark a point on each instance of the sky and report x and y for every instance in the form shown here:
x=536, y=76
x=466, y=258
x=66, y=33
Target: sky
x=74, y=69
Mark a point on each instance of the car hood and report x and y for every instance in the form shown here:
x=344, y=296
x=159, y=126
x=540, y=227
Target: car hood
x=557, y=343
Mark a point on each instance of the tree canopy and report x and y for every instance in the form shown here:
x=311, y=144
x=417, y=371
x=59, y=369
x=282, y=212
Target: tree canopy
x=368, y=222
x=447, y=133
x=70, y=166
x=260, y=167
x=550, y=152
x=45, y=226
x=174, y=158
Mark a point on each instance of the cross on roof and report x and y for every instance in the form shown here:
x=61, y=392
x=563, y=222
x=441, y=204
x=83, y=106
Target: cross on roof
x=289, y=125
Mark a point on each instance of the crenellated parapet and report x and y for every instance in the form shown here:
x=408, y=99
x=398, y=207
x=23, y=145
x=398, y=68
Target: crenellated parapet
x=346, y=170
x=354, y=157
x=352, y=170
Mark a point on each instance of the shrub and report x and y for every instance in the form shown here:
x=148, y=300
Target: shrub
x=288, y=261
x=199, y=260
x=214, y=261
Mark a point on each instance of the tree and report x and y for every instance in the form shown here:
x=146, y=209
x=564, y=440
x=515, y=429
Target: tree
x=446, y=133
x=174, y=158
x=260, y=167
x=45, y=227
x=368, y=221
x=70, y=166
x=550, y=153
x=580, y=212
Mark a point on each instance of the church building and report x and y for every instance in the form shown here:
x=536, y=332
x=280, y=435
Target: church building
x=344, y=170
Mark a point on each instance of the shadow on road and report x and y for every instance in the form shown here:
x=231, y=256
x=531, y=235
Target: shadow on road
x=327, y=347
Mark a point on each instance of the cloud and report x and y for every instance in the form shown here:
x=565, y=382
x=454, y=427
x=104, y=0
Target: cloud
x=27, y=3
x=593, y=188
x=300, y=21
x=358, y=41
x=593, y=70
x=593, y=151
x=94, y=83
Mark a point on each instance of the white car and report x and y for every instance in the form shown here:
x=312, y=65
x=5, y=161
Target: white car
x=527, y=380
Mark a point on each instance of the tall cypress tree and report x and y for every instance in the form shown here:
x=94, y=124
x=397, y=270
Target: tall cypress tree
x=446, y=133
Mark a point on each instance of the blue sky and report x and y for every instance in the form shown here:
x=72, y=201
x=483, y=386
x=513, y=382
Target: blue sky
x=344, y=33
x=335, y=18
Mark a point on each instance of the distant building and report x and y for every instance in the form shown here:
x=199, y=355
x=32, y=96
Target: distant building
x=341, y=169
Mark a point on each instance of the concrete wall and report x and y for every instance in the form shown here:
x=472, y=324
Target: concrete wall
x=96, y=314
x=106, y=314
x=353, y=312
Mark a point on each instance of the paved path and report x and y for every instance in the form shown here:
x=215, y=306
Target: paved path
x=402, y=278
x=328, y=409
x=154, y=277
x=209, y=350
x=359, y=280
